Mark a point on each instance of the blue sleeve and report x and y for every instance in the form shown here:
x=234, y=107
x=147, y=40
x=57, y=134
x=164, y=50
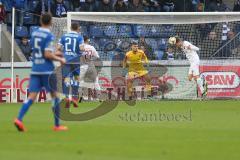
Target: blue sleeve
x=31, y=42
x=50, y=44
x=80, y=40
x=60, y=42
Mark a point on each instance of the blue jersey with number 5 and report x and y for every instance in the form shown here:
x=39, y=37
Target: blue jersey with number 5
x=70, y=43
x=41, y=41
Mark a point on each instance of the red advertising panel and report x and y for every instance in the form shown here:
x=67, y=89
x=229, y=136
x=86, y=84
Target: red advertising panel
x=223, y=81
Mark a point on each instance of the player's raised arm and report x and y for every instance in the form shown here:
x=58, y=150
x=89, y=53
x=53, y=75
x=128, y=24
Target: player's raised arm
x=54, y=57
x=193, y=47
x=59, y=48
x=144, y=58
x=124, y=63
x=48, y=53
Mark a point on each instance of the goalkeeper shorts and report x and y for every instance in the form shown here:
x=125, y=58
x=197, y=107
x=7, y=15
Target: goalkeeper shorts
x=136, y=74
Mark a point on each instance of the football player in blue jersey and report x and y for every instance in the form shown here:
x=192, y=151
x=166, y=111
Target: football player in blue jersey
x=42, y=75
x=71, y=44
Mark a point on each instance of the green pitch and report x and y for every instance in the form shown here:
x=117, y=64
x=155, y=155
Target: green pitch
x=190, y=130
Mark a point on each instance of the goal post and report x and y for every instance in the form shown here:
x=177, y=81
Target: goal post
x=111, y=34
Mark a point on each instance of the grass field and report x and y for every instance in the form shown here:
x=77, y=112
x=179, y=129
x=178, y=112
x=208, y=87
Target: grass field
x=211, y=132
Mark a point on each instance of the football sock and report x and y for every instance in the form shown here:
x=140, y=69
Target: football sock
x=56, y=110
x=200, y=85
x=66, y=89
x=26, y=105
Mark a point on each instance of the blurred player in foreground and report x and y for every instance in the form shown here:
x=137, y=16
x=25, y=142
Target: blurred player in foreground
x=42, y=75
x=191, y=53
x=71, y=45
x=87, y=66
x=134, y=60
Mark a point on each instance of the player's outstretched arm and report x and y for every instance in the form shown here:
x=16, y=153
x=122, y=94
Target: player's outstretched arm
x=195, y=48
x=59, y=50
x=51, y=56
x=144, y=58
x=124, y=63
x=192, y=47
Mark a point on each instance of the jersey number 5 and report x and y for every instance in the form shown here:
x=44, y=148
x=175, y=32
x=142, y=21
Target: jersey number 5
x=37, y=46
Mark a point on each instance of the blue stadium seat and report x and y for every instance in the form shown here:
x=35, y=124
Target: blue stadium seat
x=29, y=19
x=117, y=56
x=33, y=28
x=107, y=44
x=21, y=31
x=19, y=4
x=152, y=42
x=159, y=54
x=140, y=31
x=111, y=30
x=111, y=54
x=154, y=31
x=96, y=31
x=162, y=43
x=94, y=43
x=84, y=30
x=124, y=44
x=125, y=30
x=169, y=29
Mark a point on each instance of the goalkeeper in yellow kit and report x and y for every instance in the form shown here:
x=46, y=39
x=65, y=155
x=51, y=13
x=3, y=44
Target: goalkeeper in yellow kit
x=134, y=60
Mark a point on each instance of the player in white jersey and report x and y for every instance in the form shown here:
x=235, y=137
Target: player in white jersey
x=191, y=53
x=87, y=67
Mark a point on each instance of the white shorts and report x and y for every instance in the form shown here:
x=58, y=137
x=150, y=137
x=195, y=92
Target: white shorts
x=84, y=69
x=194, y=69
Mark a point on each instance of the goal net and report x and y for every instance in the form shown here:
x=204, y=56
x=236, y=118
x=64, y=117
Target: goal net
x=216, y=34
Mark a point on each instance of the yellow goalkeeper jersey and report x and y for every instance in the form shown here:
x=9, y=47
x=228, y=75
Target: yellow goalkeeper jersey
x=135, y=61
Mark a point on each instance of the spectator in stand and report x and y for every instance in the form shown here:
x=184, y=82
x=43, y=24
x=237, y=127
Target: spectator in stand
x=43, y=7
x=135, y=6
x=152, y=5
x=120, y=6
x=76, y=5
x=88, y=5
x=168, y=6
x=58, y=9
x=20, y=7
x=195, y=4
x=217, y=6
x=105, y=6
x=236, y=5
x=201, y=6
x=26, y=48
x=2, y=13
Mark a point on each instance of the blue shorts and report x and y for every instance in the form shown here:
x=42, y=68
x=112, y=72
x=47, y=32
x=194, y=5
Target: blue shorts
x=39, y=82
x=69, y=70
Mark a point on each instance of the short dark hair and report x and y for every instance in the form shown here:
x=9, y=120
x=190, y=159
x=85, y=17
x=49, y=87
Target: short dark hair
x=177, y=39
x=86, y=38
x=75, y=26
x=134, y=43
x=46, y=19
